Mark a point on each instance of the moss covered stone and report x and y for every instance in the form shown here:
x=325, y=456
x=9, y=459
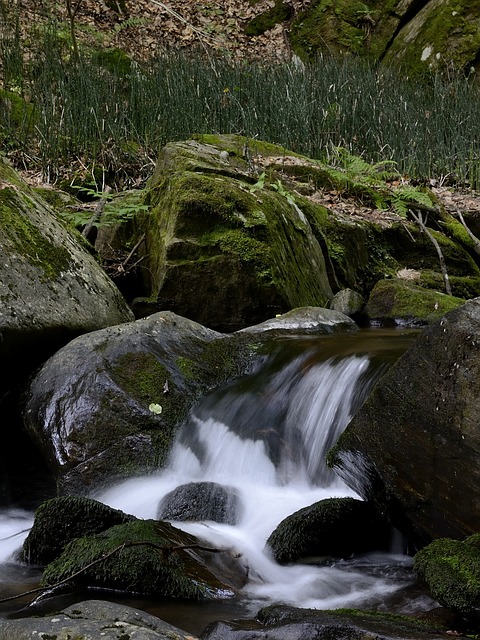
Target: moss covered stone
x=60, y=520
x=451, y=570
x=145, y=557
x=399, y=301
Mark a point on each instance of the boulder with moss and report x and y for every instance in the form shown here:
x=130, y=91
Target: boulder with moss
x=451, y=570
x=151, y=558
x=420, y=37
x=399, y=302
x=336, y=527
x=229, y=214
x=413, y=447
x=108, y=404
x=60, y=520
x=51, y=287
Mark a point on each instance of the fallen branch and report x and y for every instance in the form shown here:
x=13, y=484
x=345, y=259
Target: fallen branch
x=166, y=551
x=419, y=220
x=472, y=236
x=97, y=214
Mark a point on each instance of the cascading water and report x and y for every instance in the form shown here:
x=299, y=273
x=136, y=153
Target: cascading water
x=265, y=437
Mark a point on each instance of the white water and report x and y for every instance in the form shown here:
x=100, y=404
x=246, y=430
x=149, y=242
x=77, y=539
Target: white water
x=314, y=404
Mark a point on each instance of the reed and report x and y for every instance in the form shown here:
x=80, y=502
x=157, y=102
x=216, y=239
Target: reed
x=109, y=118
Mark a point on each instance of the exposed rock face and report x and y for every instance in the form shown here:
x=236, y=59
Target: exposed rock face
x=108, y=404
x=93, y=619
x=51, y=287
x=221, y=248
x=287, y=623
x=420, y=36
x=332, y=527
x=413, y=447
x=201, y=501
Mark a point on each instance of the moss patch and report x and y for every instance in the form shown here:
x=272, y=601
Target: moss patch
x=280, y=12
x=136, y=564
x=28, y=240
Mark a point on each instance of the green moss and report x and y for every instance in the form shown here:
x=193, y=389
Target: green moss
x=141, y=375
x=236, y=145
x=16, y=111
x=332, y=27
x=135, y=562
x=28, y=240
x=451, y=569
x=114, y=60
x=280, y=12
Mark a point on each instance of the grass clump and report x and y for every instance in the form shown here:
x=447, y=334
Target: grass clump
x=111, y=112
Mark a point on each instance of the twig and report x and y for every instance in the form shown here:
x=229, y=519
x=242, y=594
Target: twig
x=97, y=214
x=419, y=220
x=472, y=236
x=132, y=252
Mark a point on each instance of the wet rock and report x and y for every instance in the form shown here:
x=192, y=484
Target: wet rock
x=305, y=320
x=413, y=447
x=90, y=620
x=336, y=527
x=60, y=520
x=107, y=405
x=347, y=302
x=287, y=623
x=150, y=558
x=201, y=501
x=451, y=570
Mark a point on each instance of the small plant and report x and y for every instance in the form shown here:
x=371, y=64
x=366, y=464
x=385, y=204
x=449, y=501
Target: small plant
x=117, y=209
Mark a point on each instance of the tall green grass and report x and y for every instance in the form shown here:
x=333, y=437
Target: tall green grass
x=85, y=113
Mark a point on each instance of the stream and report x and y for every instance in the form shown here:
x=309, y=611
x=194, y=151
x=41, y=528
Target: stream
x=265, y=436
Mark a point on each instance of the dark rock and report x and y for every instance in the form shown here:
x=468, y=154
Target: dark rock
x=413, y=448
x=109, y=403
x=333, y=527
x=60, y=520
x=150, y=558
x=201, y=501
x=287, y=623
x=451, y=570
x=90, y=620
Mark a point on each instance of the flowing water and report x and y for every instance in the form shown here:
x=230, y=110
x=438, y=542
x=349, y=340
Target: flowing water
x=266, y=436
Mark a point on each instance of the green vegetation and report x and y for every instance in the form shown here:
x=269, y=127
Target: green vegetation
x=106, y=115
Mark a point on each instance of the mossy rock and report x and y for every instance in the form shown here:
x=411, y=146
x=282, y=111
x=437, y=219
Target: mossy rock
x=211, y=231
x=451, y=570
x=442, y=35
x=145, y=557
x=60, y=520
x=335, y=527
x=115, y=61
x=397, y=301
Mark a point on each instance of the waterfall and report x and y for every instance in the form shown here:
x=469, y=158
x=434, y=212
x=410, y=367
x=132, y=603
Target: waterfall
x=265, y=437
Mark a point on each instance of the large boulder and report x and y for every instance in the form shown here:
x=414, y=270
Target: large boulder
x=108, y=404
x=213, y=229
x=335, y=527
x=151, y=558
x=51, y=287
x=90, y=620
x=413, y=447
